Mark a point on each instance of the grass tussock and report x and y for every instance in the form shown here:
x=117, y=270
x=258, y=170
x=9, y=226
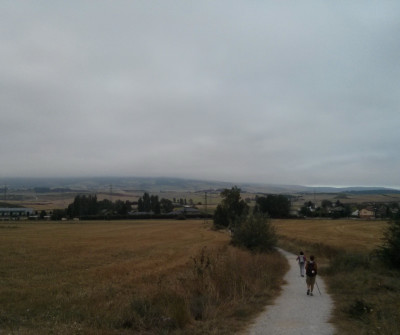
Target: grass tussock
x=217, y=292
x=367, y=295
x=103, y=278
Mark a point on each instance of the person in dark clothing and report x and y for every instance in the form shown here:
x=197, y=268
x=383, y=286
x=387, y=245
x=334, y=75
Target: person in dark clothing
x=311, y=273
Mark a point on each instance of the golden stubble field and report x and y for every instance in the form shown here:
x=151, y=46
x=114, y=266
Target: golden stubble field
x=71, y=278
x=141, y=248
x=52, y=273
x=347, y=234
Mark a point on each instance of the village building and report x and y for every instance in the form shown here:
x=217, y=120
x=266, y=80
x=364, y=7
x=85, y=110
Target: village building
x=15, y=213
x=366, y=213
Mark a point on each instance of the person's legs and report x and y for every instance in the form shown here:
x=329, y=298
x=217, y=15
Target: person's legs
x=302, y=269
x=308, y=282
x=312, y=282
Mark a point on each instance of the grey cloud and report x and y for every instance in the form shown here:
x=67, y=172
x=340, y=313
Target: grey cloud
x=258, y=91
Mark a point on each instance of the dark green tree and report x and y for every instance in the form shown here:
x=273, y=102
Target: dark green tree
x=146, y=202
x=389, y=252
x=122, y=207
x=221, y=219
x=149, y=203
x=106, y=205
x=166, y=205
x=326, y=204
x=42, y=214
x=155, y=204
x=276, y=206
x=83, y=205
x=140, y=205
x=308, y=209
x=58, y=214
x=231, y=210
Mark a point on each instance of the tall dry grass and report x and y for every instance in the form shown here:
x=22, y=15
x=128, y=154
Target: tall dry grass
x=169, y=277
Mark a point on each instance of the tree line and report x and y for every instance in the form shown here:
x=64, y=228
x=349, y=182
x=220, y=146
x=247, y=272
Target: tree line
x=337, y=209
x=89, y=205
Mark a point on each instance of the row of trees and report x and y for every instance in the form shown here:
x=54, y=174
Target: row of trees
x=89, y=205
x=232, y=208
x=151, y=203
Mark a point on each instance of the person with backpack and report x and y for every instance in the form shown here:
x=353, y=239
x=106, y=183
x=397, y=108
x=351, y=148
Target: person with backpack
x=302, y=260
x=311, y=273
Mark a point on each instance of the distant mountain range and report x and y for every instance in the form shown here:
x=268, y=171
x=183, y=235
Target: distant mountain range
x=164, y=184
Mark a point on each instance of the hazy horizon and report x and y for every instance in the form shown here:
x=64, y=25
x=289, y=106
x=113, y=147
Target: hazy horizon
x=108, y=179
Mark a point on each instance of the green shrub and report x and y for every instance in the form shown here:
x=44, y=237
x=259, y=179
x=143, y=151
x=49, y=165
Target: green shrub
x=359, y=308
x=389, y=252
x=256, y=234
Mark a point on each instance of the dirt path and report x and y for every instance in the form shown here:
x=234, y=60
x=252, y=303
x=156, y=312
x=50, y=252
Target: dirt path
x=294, y=312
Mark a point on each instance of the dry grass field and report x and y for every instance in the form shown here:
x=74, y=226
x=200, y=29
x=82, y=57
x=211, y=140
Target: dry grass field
x=146, y=277
x=348, y=234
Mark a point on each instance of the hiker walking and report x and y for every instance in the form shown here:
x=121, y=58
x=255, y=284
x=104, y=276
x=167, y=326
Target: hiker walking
x=311, y=273
x=302, y=260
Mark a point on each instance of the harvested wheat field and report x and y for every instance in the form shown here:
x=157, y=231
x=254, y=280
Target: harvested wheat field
x=53, y=270
x=126, y=277
x=352, y=235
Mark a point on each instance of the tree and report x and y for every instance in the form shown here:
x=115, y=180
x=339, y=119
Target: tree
x=42, y=214
x=325, y=204
x=276, y=206
x=121, y=207
x=146, y=203
x=83, y=205
x=255, y=233
x=389, y=252
x=155, y=204
x=231, y=210
x=149, y=203
x=166, y=205
x=140, y=205
x=106, y=205
x=307, y=209
x=58, y=214
x=221, y=219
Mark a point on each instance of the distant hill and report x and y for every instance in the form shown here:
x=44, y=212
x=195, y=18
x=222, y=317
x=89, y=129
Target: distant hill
x=164, y=184
x=352, y=190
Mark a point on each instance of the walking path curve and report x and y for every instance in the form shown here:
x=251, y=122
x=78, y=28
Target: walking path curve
x=294, y=312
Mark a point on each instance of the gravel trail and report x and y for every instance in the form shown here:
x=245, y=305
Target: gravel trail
x=294, y=312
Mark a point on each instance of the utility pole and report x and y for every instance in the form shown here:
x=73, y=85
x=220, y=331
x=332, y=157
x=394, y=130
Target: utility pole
x=5, y=192
x=111, y=191
x=205, y=210
x=315, y=200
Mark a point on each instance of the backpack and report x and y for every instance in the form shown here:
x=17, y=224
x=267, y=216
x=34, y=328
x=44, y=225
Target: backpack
x=311, y=271
x=302, y=258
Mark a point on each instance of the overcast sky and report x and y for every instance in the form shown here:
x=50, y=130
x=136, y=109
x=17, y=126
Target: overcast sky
x=280, y=92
